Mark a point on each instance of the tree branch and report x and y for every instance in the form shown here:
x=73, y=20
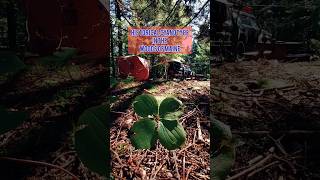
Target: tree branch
x=172, y=10
x=197, y=13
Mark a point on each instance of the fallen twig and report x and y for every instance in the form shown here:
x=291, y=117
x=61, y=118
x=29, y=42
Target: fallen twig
x=262, y=168
x=117, y=157
x=176, y=164
x=278, y=132
x=255, y=166
x=39, y=163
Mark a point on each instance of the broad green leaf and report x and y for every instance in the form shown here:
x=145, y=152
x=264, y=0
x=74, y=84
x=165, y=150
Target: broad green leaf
x=144, y=134
x=145, y=105
x=173, y=116
x=91, y=140
x=10, y=63
x=220, y=130
x=171, y=134
x=169, y=105
x=10, y=119
x=222, y=163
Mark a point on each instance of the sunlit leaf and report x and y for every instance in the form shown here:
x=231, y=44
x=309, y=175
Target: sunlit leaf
x=144, y=134
x=173, y=116
x=171, y=134
x=169, y=105
x=145, y=105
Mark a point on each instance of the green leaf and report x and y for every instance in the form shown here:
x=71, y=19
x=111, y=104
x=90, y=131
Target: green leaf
x=169, y=105
x=145, y=134
x=145, y=105
x=220, y=130
x=222, y=163
x=171, y=134
x=10, y=63
x=91, y=140
x=10, y=119
x=223, y=150
x=173, y=116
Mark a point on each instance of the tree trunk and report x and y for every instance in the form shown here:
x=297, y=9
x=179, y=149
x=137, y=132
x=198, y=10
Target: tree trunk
x=12, y=25
x=113, y=63
x=118, y=16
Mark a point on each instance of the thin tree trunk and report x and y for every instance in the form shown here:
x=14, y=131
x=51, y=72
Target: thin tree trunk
x=113, y=64
x=12, y=25
x=118, y=16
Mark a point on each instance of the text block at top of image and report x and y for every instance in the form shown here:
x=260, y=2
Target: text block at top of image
x=160, y=40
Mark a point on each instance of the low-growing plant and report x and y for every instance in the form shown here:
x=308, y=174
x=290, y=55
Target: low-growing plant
x=158, y=119
x=222, y=151
x=91, y=139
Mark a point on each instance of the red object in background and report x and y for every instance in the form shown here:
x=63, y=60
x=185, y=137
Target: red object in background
x=247, y=9
x=80, y=24
x=86, y=26
x=134, y=66
x=44, y=23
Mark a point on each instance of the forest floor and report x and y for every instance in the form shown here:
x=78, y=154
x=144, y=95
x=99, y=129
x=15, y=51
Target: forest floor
x=273, y=110
x=53, y=98
x=191, y=161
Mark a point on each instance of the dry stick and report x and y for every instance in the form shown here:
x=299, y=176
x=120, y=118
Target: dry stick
x=286, y=161
x=280, y=132
x=155, y=165
x=262, y=168
x=263, y=109
x=184, y=167
x=235, y=94
x=260, y=163
x=176, y=164
x=190, y=113
x=63, y=154
x=200, y=137
x=187, y=147
x=189, y=171
x=117, y=157
x=255, y=160
x=24, y=161
x=144, y=155
x=164, y=161
x=279, y=145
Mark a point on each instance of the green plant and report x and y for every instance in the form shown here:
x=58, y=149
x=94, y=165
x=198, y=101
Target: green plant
x=91, y=139
x=158, y=120
x=223, y=150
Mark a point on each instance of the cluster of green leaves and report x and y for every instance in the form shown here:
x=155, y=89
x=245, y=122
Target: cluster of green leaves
x=91, y=139
x=223, y=151
x=158, y=120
